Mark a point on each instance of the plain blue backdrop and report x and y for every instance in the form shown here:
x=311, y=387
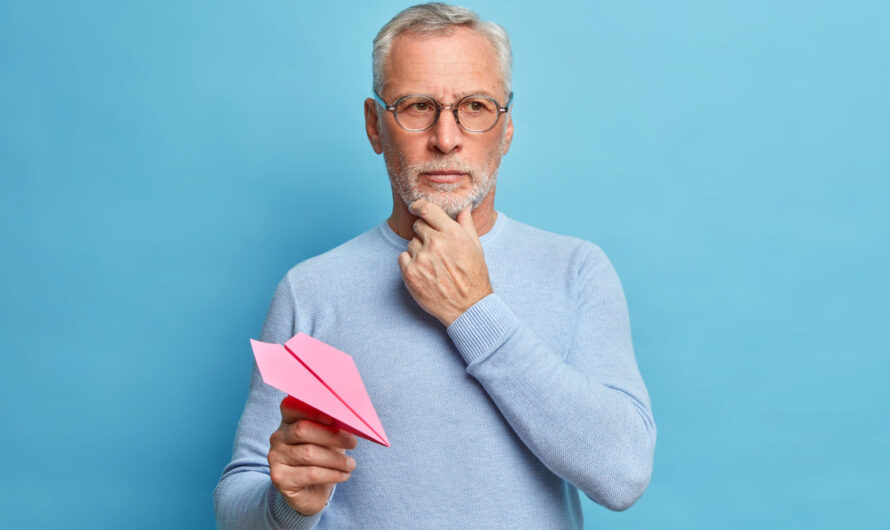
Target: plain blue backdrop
x=164, y=163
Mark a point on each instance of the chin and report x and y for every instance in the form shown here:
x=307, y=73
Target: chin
x=451, y=203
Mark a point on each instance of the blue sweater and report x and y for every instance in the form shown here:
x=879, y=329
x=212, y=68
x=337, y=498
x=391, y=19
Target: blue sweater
x=495, y=421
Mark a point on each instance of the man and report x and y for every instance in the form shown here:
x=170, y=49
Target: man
x=498, y=356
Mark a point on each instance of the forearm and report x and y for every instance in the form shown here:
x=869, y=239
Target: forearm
x=245, y=496
x=597, y=434
x=247, y=499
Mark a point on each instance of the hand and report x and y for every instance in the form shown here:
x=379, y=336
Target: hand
x=307, y=457
x=444, y=267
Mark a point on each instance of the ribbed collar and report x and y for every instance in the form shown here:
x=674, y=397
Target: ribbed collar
x=486, y=238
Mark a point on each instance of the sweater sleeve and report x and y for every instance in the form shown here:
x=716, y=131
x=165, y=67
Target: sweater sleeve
x=586, y=416
x=245, y=496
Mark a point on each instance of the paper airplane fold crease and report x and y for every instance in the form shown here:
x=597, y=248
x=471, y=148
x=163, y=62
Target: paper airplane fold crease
x=322, y=377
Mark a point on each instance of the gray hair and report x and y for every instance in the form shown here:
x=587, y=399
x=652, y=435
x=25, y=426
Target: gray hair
x=439, y=19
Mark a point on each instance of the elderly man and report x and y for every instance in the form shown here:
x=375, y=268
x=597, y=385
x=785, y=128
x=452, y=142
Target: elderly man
x=498, y=356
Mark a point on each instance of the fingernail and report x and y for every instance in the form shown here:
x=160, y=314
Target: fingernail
x=350, y=462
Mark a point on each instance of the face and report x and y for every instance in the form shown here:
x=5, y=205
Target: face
x=443, y=164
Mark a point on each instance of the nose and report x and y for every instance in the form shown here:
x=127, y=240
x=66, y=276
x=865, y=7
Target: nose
x=447, y=136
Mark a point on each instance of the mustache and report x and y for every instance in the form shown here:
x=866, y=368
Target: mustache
x=444, y=163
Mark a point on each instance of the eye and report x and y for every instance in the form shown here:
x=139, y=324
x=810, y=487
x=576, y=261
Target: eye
x=477, y=106
x=417, y=106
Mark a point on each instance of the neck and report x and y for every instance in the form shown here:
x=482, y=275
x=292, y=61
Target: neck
x=402, y=221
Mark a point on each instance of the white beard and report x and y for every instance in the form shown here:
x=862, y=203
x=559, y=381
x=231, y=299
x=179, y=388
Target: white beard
x=407, y=182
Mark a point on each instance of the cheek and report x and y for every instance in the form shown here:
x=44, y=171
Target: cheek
x=398, y=146
x=390, y=151
x=494, y=150
x=393, y=164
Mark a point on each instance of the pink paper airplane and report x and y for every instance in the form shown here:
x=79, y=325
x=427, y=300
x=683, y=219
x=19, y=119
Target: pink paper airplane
x=322, y=377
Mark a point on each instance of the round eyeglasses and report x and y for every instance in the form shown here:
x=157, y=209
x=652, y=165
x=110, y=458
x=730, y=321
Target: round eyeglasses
x=418, y=112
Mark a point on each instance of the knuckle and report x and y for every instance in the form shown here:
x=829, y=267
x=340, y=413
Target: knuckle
x=301, y=429
x=275, y=474
x=306, y=453
x=313, y=475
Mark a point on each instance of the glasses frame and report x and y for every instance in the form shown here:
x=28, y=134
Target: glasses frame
x=439, y=108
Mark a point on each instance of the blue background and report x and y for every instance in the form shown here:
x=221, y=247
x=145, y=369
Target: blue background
x=163, y=164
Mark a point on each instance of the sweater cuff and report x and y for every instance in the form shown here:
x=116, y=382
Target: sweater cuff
x=483, y=328
x=290, y=518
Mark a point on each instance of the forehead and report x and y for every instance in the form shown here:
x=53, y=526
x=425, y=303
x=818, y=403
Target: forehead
x=459, y=63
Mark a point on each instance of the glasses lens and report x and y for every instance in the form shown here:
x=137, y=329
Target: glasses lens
x=415, y=112
x=478, y=113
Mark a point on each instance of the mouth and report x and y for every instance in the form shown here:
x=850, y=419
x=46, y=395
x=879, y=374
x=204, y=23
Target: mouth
x=444, y=176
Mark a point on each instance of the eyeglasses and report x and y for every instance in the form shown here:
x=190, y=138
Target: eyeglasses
x=418, y=112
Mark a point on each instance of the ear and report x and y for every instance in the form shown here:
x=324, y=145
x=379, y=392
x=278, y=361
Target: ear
x=371, y=125
x=508, y=134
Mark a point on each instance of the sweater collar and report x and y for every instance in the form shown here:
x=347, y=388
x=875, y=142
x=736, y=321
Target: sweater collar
x=486, y=238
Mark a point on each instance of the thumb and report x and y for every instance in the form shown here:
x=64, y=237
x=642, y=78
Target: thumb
x=465, y=218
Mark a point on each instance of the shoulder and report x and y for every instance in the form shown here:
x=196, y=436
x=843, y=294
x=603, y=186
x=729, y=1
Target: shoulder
x=590, y=276
x=540, y=244
x=348, y=259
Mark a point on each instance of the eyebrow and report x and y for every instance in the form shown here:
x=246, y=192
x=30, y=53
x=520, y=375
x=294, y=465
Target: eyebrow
x=457, y=97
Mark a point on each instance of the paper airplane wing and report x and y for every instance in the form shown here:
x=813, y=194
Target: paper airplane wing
x=338, y=372
x=282, y=368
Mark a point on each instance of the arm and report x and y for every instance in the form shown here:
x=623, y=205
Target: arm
x=245, y=496
x=586, y=417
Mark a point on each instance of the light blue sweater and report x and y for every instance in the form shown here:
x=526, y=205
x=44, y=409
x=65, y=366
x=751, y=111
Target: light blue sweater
x=495, y=422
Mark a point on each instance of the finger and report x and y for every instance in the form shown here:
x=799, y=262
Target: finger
x=423, y=229
x=414, y=247
x=314, y=455
x=404, y=261
x=293, y=410
x=307, y=431
x=465, y=218
x=294, y=478
x=431, y=213
x=321, y=475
